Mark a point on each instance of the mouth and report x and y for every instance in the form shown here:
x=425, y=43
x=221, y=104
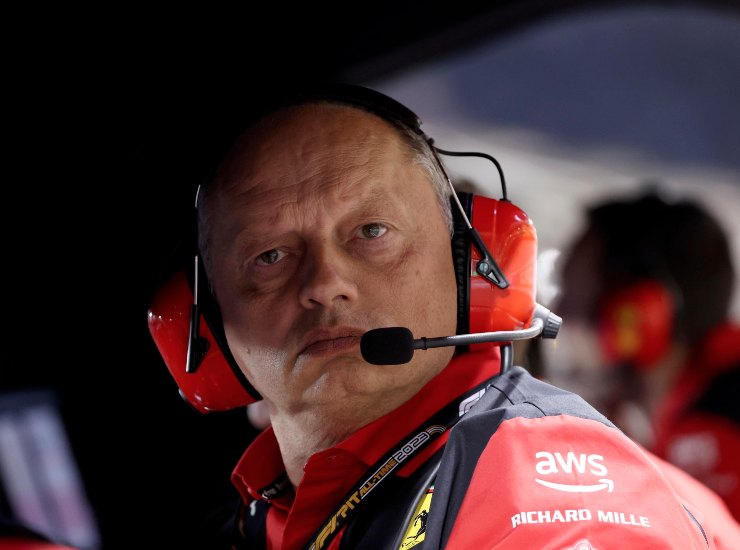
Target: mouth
x=332, y=341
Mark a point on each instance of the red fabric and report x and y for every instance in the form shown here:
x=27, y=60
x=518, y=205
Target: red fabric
x=329, y=474
x=522, y=492
x=705, y=445
x=706, y=504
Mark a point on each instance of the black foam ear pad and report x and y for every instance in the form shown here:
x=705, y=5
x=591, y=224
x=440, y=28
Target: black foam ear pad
x=461, y=262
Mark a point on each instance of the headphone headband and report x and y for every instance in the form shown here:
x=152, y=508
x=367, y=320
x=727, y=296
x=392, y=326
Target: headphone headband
x=370, y=100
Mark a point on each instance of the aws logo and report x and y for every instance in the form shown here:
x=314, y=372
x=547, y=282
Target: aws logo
x=555, y=463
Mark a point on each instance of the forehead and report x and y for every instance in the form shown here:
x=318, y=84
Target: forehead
x=309, y=154
x=292, y=144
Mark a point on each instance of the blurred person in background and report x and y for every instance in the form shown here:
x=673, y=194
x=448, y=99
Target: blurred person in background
x=645, y=289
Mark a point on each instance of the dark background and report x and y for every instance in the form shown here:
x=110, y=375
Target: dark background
x=120, y=114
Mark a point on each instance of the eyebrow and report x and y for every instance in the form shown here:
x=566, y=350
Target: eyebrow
x=247, y=237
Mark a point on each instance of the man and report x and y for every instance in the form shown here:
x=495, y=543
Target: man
x=650, y=299
x=328, y=218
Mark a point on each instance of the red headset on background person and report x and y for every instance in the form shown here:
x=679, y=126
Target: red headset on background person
x=494, y=251
x=636, y=324
x=664, y=272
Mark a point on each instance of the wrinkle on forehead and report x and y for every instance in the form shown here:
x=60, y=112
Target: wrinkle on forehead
x=298, y=141
x=299, y=163
x=312, y=201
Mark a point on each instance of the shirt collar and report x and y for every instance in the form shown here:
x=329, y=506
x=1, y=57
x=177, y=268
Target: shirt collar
x=261, y=464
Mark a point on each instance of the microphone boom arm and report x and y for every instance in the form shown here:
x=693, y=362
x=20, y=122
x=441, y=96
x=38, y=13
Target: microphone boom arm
x=535, y=329
x=396, y=345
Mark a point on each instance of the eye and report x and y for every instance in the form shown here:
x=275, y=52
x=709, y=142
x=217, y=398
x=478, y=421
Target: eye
x=373, y=230
x=270, y=257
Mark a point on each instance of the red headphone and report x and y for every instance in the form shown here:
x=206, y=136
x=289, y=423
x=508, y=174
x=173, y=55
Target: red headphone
x=511, y=238
x=636, y=324
x=495, y=266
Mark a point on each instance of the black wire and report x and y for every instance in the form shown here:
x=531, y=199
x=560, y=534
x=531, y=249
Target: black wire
x=428, y=482
x=482, y=155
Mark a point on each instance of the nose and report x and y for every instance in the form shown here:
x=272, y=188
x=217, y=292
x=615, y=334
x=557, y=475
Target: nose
x=325, y=279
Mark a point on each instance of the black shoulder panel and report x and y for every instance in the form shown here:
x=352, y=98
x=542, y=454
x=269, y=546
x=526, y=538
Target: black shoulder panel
x=515, y=394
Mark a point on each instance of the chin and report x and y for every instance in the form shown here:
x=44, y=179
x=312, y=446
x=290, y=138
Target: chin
x=354, y=379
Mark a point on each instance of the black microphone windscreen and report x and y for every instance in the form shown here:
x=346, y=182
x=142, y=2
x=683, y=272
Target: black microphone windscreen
x=387, y=346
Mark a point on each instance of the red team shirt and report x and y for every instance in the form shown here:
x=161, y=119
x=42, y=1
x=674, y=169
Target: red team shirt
x=698, y=425
x=530, y=466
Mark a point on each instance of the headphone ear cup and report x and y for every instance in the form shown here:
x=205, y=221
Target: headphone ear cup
x=636, y=324
x=511, y=239
x=217, y=384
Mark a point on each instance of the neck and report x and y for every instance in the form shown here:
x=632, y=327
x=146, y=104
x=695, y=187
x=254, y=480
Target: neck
x=315, y=429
